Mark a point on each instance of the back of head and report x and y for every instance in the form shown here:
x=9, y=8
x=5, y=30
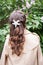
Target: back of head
x=17, y=24
x=18, y=15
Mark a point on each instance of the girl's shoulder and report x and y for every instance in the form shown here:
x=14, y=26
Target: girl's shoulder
x=7, y=40
x=32, y=39
x=31, y=34
x=8, y=35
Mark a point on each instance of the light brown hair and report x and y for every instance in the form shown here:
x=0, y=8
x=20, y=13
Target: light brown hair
x=17, y=38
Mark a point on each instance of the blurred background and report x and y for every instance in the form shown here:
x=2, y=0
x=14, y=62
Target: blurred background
x=33, y=9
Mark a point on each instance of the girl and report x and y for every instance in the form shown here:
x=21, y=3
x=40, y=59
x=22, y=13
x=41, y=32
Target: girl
x=21, y=46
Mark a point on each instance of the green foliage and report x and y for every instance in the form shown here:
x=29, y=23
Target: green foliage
x=34, y=22
x=7, y=6
x=3, y=32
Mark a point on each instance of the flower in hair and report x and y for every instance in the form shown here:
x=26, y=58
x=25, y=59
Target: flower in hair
x=15, y=23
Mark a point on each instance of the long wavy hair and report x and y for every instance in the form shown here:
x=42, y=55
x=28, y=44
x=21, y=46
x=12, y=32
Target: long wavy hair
x=17, y=38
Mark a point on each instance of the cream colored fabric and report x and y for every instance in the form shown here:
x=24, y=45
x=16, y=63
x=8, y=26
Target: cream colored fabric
x=31, y=54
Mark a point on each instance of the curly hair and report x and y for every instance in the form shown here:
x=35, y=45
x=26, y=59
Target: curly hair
x=17, y=38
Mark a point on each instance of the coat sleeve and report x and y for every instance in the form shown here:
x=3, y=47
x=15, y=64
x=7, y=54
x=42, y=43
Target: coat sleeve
x=4, y=52
x=39, y=54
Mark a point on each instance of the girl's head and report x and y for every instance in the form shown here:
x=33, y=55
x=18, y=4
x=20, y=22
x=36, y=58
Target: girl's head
x=18, y=15
x=17, y=24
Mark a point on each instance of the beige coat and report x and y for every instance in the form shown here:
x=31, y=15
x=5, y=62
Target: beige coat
x=31, y=54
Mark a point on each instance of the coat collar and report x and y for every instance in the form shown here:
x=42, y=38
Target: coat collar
x=26, y=32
